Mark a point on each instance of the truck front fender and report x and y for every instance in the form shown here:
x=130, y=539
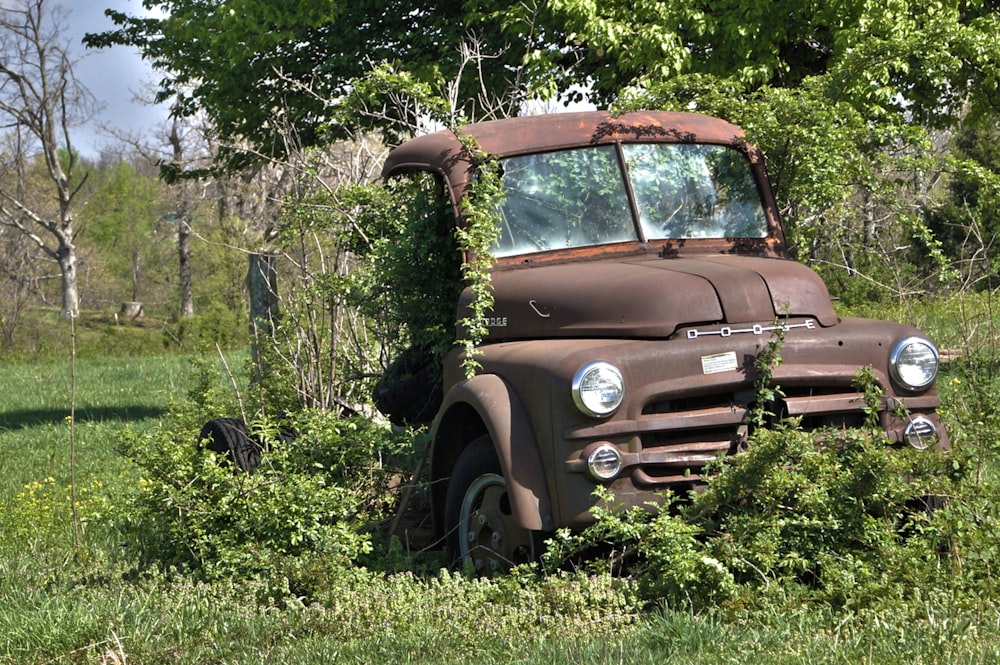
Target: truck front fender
x=506, y=420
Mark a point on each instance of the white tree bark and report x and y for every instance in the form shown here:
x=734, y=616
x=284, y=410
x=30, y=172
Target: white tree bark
x=40, y=102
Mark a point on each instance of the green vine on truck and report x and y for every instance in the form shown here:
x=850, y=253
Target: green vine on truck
x=476, y=239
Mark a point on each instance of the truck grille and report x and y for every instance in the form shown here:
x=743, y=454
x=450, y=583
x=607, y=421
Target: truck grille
x=678, y=437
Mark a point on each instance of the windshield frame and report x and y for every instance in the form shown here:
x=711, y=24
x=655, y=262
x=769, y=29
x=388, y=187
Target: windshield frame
x=623, y=182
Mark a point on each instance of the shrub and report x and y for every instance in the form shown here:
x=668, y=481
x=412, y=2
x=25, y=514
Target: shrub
x=839, y=515
x=312, y=501
x=841, y=512
x=663, y=552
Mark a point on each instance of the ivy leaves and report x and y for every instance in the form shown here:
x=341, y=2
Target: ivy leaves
x=476, y=239
x=922, y=59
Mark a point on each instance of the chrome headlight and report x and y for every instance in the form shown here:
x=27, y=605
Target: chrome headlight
x=914, y=363
x=598, y=389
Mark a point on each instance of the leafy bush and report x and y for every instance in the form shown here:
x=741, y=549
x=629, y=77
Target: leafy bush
x=839, y=515
x=368, y=271
x=312, y=501
x=841, y=512
x=664, y=553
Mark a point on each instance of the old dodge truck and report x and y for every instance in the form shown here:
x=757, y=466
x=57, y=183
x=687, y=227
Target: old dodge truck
x=640, y=269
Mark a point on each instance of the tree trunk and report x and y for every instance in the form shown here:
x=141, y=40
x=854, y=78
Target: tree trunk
x=262, y=284
x=41, y=101
x=70, y=295
x=184, y=252
x=131, y=310
x=135, y=274
x=183, y=228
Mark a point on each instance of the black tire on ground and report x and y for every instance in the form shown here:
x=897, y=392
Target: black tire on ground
x=230, y=437
x=481, y=528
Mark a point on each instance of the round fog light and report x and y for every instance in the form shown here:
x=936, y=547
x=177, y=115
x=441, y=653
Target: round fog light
x=604, y=462
x=921, y=433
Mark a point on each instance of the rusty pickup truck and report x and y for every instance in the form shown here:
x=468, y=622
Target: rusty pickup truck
x=640, y=270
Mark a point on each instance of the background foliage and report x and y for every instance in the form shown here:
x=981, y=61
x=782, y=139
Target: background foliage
x=878, y=121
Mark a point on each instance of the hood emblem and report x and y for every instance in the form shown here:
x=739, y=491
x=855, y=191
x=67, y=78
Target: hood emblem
x=757, y=329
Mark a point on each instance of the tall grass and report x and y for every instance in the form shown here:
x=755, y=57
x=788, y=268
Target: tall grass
x=89, y=604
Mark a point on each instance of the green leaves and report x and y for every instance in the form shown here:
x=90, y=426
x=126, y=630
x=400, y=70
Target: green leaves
x=661, y=551
x=263, y=71
x=312, y=499
x=835, y=514
x=476, y=239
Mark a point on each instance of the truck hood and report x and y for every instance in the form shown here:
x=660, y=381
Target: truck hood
x=650, y=298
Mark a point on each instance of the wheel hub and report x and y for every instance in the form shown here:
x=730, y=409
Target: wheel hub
x=493, y=541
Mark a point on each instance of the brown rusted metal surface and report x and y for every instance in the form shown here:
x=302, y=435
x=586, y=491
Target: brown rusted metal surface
x=443, y=152
x=651, y=297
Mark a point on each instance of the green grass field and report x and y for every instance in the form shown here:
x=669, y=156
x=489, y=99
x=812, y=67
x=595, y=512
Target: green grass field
x=63, y=601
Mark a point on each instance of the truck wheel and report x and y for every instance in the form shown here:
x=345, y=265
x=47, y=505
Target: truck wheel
x=410, y=392
x=481, y=526
x=230, y=437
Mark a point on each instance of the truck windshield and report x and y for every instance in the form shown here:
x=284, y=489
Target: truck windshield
x=577, y=198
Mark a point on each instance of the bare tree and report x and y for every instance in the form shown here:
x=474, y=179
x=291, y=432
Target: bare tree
x=178, y=146
x=40, y=102
x=183, y=227
x=16, y=282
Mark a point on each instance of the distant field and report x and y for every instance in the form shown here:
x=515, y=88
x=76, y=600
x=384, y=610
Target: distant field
x=111, y=392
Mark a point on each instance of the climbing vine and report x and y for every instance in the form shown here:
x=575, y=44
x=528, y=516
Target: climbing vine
x=476, y=239
x=765, y=388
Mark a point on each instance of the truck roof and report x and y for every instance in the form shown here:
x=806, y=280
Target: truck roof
x=442, y=152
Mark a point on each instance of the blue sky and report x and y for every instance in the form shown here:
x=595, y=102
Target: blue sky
x=114, y=76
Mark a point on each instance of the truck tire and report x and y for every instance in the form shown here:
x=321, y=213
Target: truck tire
x=230, y=437
x=410, y=392
x=482, y=530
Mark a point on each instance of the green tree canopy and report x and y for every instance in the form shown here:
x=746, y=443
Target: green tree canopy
x=967, y=219
x=926, y=60
x=260, y=68
x=120, y=218
x=264, y=70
